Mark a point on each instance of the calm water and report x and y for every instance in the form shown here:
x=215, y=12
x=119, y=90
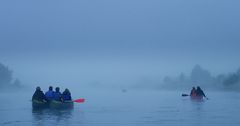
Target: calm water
x=133, y=108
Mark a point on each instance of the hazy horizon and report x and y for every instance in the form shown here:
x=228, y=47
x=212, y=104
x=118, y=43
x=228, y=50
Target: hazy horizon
x=90, y=41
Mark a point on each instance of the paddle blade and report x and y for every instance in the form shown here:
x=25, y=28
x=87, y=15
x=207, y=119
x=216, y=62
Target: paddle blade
x=81, y=100
x=185, y=95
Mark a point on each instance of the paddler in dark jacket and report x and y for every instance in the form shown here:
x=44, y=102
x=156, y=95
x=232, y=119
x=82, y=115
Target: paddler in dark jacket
x=200, y=92
x=57, y=94
x=66, y=95
x=193, y=92
x=39, y=95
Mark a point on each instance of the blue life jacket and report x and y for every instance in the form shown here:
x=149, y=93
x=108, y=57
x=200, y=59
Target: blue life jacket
x=49, y=95
x=57, y=96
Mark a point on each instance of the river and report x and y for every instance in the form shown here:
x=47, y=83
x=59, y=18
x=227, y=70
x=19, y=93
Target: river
x=131, y=108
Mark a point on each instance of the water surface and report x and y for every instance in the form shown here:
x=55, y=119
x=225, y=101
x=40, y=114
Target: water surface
x=131, y=108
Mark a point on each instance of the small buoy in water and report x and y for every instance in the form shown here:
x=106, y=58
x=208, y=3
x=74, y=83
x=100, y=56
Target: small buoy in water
x=124, y=90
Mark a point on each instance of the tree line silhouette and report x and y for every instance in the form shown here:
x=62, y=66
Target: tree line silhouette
x=6, y=78
x=202, y=77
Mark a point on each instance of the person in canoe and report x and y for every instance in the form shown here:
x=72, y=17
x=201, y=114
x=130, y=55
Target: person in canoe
x=50, y=94
x=39, y=95
x=66, y=95
x=57, y=94
x=200, y=92
x=193, y=92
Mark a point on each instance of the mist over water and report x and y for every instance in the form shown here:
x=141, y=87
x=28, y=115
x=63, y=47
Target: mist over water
x=130, y=59
x=117, y=42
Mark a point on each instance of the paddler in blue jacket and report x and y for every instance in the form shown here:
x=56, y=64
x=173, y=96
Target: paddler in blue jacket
x=57, y=94
x=50, y=94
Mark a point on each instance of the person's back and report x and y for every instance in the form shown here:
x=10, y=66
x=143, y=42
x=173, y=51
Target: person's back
x=50, y=94
x=57, y=94
x=66, y=95
x=39, y=95
x=200, y=92
x=193, y=92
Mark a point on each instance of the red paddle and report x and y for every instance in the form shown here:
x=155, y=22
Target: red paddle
x=80, y=100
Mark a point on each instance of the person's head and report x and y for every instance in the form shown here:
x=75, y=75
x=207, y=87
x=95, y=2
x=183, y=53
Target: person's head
x=38, y=88
x=57, y=89
x=50, y=88
x=193, y=88
x=66, y=90
x=198, y=88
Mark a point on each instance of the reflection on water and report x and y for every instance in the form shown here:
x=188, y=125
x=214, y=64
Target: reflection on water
x=43, y=117
x=197, y=104
x=128, y=109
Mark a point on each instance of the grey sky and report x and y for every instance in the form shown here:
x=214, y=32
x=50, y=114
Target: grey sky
x=155, y=37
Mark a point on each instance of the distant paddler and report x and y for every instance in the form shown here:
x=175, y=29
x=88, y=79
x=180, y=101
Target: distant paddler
x=66, y=95
x=39, y=95
x=50, y=93
x=39, y=101
x=57, y=96
x=196, y=93
x=200, y=92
